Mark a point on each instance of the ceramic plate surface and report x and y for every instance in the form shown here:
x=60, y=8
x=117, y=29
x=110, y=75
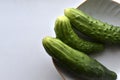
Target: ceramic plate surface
x=106, y=11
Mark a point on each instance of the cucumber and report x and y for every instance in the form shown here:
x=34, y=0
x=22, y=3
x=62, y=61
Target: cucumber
x=65, y=33
x=96, y=29
x=77, y=62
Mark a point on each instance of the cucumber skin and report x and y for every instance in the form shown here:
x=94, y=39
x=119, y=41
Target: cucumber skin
x=65, y=33
x=92, y=27
x=79, y=63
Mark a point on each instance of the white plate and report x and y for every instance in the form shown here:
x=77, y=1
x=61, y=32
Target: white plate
x=107, y=11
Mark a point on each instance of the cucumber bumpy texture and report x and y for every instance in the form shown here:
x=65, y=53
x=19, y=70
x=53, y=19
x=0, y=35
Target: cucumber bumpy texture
x=79, y=63
x=92, y=27
x=65, y=33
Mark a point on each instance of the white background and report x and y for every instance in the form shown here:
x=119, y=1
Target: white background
x=23, y=25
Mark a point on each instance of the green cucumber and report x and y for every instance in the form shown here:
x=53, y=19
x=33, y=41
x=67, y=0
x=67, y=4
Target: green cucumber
x=78, y=62
x=65, y=33
x=92, y=27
